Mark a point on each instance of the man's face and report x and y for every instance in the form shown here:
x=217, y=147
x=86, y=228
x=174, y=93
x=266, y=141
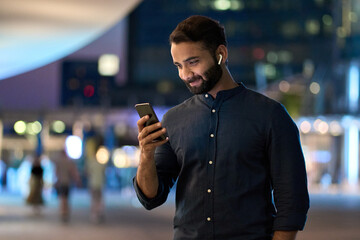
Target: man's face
x=196, y=66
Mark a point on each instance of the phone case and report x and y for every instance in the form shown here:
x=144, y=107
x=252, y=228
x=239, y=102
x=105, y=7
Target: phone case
x=144, y=109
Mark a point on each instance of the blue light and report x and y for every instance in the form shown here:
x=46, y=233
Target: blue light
x=353, y=88
x=353, y=164
x=351, y=151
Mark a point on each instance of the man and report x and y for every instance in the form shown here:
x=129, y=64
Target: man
x=235, y=153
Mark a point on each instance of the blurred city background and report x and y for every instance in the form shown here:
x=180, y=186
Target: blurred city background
x=71, y=71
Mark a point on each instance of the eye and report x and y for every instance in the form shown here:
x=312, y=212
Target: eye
x=193, y=62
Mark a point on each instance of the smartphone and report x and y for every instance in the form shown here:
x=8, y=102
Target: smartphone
x=144, y=109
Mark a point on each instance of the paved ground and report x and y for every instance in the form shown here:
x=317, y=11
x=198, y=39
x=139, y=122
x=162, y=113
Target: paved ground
x=332, y=217
x=125, y=219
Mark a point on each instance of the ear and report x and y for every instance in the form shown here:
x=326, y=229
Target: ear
x=221, y=54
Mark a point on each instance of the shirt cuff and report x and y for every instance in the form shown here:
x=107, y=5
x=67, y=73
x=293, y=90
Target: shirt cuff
x=149, y=203
x=292, y=222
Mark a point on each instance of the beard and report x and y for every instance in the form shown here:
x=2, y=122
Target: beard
x=212, y=77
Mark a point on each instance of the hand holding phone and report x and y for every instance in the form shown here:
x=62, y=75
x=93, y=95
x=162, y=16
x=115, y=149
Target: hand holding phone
x=144, y=109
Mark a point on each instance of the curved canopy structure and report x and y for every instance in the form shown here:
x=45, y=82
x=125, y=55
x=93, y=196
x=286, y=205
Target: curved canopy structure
x=34, y=33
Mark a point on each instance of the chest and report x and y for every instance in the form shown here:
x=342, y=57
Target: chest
x=218, y=130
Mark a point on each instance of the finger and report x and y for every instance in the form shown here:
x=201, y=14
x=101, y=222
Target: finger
x=150, y=138
x=141, y=122
x=156, y=135
x=149, y=129
x=155, y=144
x=158, y=143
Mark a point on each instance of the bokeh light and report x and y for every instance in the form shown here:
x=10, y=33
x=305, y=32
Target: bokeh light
x=335, y=128
x=314, y=88
x=73, y=147
x=108, y=64
x=20, y=127
x=305, y=127
x=284, y=86
x=102, y=155
x=58, y=126
x=120, y=158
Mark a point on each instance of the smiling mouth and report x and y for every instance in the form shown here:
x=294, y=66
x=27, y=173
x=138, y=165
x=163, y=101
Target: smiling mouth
x=195, y=82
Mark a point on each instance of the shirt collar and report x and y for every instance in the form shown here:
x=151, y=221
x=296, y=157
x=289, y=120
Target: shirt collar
x=222, y=95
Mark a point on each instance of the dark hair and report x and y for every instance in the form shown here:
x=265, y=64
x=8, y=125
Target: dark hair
x=199, y=29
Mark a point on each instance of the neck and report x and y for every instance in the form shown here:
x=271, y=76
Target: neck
x=226, y=82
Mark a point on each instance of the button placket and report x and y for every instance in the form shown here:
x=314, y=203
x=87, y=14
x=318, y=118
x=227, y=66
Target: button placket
x=211, y=163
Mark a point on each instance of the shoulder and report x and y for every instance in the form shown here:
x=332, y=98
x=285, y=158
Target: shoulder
x=180, y=109
x=260, y=99
x=260, y=105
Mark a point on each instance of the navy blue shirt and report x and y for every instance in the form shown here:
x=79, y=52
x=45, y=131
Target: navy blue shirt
x=238, y=164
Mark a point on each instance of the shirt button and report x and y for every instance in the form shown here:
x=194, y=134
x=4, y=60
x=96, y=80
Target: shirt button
x=210, y=162
x=208, y=219
x=206, y=95
x=212, y=135
x=213, y=110
x=209, y=190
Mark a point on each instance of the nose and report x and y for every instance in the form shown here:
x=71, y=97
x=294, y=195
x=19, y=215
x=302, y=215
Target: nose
x=185, y=73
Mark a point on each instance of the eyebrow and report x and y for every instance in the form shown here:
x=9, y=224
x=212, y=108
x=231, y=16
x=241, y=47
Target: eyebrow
x=188, y=59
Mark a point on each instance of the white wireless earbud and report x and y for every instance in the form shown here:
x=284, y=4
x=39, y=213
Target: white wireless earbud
x=219, y=62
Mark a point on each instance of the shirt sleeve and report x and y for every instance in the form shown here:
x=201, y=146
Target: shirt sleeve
x=167, y=170
x=288, y=173
x=150, y=203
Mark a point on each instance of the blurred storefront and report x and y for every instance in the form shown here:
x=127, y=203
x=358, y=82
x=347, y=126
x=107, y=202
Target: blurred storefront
x=23, y=135
x=325, y=105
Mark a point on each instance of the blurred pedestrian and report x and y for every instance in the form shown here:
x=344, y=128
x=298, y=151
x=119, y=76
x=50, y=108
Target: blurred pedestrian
x=35, y=197
x=96, y=180
x=66, y=174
